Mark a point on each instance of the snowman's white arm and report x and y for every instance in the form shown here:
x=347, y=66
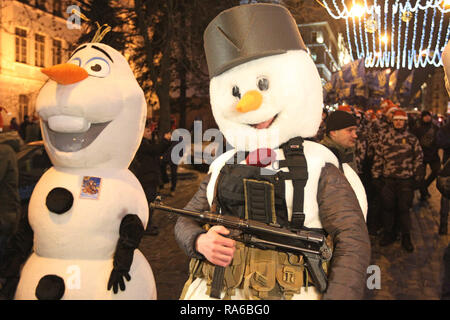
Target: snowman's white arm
x=131, y=232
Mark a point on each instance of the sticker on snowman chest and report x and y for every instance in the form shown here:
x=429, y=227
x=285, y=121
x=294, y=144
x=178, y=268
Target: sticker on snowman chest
x=90, y=188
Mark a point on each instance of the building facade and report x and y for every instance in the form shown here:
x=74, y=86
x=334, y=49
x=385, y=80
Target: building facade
x=328, y=53
x=33, y=34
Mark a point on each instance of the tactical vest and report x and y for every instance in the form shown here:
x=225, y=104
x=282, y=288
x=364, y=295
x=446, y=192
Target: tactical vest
x=250, y=192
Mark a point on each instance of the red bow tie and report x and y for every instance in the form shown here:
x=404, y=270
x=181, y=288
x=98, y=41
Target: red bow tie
x=261, y=157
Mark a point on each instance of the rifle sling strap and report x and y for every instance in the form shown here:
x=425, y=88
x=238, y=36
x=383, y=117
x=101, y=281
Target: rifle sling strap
x=298, y=173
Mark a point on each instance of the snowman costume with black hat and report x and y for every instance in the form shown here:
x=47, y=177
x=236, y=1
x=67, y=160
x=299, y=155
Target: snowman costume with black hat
x=266, y=97
x=88, y=212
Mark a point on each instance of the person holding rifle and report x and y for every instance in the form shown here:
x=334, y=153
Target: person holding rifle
x=266, y=98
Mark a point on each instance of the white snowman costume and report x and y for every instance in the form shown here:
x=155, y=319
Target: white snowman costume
x=92, y=113
x=291, y=107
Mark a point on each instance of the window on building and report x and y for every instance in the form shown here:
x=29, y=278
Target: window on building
x=57, y=52
x=317, y=36
x=57, y=8
x=41, y=4
x=23, y=106
x=39, y=50
x=21, y=45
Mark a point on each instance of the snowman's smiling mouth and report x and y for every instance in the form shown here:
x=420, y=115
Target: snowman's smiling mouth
x=265, y=124
x=73, y=141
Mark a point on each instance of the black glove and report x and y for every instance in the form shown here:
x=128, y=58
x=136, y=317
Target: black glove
x=116, y=280
x=131, y=232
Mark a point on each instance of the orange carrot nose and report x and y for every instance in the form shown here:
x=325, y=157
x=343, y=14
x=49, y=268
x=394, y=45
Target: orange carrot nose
x=250, y=101
x=66, y=73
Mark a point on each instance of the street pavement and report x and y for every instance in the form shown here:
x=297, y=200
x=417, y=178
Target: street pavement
x=169, y=263
x=401, y=276
x=417, y=275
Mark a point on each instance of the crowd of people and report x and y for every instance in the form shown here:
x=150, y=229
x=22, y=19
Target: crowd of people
x=390, y=150
x=29, y=129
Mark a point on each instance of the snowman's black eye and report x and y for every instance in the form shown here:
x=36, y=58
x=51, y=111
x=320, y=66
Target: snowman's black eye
x=263, y=84
x=96, y=68
x=236, y=92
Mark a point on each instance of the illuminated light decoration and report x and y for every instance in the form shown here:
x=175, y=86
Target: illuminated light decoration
x=370, y=25
x=360, y=31
x=370, y=36
x=407, y=16
x=365, y=34
x=357, y=10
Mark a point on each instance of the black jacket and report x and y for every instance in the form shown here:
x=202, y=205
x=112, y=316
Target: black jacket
x=427, y=135
x=9, y=189
x=443, y=140
x=146, y=163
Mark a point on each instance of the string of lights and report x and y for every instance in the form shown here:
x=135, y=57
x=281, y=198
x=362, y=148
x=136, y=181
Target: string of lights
x=371, y=34
x=346, y=13
x=399, y=40
x=410, y=60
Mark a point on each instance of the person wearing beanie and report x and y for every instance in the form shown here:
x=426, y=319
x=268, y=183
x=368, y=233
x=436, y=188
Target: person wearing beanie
x=426, y=132
x=340, y=136
x=398, y=168
x=346, y=138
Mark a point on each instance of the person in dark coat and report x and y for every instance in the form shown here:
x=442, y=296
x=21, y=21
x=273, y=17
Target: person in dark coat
x=23, y=127
x=443, y=185
x=443, y=140
x=33, y=131
x=426, y=132
x=166, y=161
x=13, y=125
x=9, y=192
x=146, y=167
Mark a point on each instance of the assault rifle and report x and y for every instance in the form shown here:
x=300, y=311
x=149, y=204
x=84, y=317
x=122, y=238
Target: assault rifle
x=309, y=243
